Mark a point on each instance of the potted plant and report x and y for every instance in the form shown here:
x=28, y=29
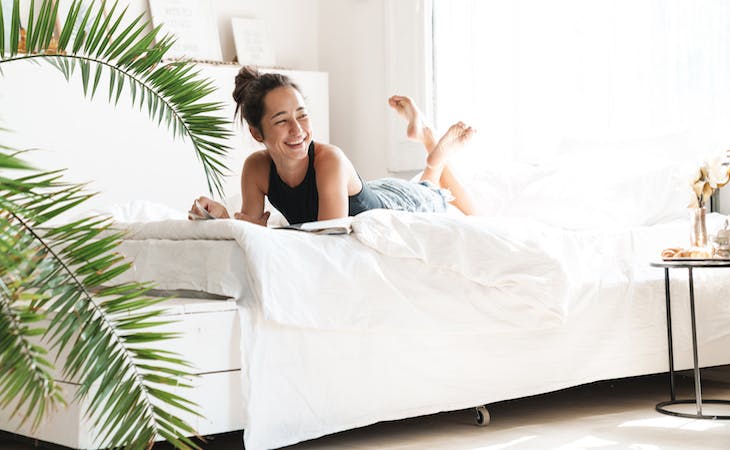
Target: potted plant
x=55, y=292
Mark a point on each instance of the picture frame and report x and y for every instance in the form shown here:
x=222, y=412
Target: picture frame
x=252, y=42
x=194, y=25
x=64, y=7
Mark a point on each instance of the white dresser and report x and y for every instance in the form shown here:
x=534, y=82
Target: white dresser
x=209, y=340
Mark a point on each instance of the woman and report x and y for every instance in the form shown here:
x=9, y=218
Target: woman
x=308, y=180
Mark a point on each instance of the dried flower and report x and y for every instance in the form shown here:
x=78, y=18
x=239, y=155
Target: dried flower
x=713, y=174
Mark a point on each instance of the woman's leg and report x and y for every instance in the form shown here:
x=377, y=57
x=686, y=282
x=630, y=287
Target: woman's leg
x=455, y=137
x=437, y=168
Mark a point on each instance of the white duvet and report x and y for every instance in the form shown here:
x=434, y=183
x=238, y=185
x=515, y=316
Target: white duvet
x=414, y=314
x=485, y=267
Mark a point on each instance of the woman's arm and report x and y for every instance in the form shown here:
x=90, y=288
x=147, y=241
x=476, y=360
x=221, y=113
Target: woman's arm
x=211, y=206
x=334, y=172
x=254, y=183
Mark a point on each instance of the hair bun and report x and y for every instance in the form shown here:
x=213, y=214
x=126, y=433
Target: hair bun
x=250, y=91
x=246, y=76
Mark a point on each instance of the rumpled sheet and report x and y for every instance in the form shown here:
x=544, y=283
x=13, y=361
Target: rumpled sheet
x=478, y=269
x=414, y=314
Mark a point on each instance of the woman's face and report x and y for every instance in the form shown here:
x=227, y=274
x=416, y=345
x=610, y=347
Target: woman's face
x=285, y=123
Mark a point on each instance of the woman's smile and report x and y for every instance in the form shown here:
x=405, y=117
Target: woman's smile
x=295, y=143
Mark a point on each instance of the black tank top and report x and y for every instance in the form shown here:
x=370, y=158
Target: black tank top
x=301, y=203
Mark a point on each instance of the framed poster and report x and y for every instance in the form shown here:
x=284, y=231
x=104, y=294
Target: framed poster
x=193, y=23
x=252, y=42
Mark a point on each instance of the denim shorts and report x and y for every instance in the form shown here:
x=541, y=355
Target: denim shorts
x=412, y=196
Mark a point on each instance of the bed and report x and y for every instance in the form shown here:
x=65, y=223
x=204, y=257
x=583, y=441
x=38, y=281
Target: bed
x=413, y=314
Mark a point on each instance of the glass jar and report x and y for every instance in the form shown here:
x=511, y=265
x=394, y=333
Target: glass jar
x=698, y=228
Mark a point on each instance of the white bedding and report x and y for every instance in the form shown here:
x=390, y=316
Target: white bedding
x=176, y=265
x=415, y=314
x=505, y=263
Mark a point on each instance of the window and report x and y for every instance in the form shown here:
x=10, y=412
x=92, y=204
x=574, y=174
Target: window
x=532, y=75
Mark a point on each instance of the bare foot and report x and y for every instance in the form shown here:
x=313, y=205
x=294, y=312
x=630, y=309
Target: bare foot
x=454, y=139
x=417, y=129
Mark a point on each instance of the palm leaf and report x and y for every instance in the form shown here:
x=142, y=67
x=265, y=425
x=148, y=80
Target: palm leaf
x=172, y=92
x=25, y=377
x=108, y=330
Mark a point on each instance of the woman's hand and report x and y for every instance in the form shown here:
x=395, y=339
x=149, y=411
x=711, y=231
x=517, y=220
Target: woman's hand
x=213, y=208
x=263, y=220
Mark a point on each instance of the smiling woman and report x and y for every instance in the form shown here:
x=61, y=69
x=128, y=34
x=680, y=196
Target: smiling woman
x=308, y=180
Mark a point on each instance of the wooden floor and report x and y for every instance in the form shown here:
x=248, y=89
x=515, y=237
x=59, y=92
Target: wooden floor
x=607, y=415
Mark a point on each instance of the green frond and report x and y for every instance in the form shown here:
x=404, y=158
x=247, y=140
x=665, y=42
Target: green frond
x=25, y=376
x=2, y=35
x=108, y=331
x=15, y=28
x=11, y=162
x=30, y=32
x=172, y=93
x=48, y=276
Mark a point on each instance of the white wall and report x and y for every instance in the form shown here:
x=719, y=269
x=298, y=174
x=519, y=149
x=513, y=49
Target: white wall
x=343, y=37
x=292, y=27
x=352, y=51
x=367, y=47
x=122, y=153
x=120, y=136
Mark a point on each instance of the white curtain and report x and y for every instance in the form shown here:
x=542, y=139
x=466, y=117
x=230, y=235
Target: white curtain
x=533, y=75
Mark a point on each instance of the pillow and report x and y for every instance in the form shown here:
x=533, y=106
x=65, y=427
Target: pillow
x=612, y=193
x=582, y=191
x=668, y=147
x=496, y=187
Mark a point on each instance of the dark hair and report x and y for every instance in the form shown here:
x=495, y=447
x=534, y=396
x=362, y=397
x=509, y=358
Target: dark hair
x=251, y=88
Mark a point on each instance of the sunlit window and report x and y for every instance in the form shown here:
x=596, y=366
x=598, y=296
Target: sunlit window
x=535, y=76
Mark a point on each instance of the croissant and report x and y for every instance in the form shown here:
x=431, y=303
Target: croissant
x=678, y=252
x=670, y=252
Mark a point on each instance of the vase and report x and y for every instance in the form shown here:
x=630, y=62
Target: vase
x=697, y=228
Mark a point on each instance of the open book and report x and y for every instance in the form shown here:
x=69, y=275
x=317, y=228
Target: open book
x=332, y=226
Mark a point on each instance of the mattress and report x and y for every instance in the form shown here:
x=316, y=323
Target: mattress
x=203, y=268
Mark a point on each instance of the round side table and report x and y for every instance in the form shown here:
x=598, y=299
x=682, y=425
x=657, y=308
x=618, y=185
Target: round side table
x=690, y=265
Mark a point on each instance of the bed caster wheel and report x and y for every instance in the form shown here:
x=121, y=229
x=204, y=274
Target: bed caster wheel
x=482, y=416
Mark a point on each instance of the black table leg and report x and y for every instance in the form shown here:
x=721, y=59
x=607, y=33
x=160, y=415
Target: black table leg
x=667, y=297
x=698, y=388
